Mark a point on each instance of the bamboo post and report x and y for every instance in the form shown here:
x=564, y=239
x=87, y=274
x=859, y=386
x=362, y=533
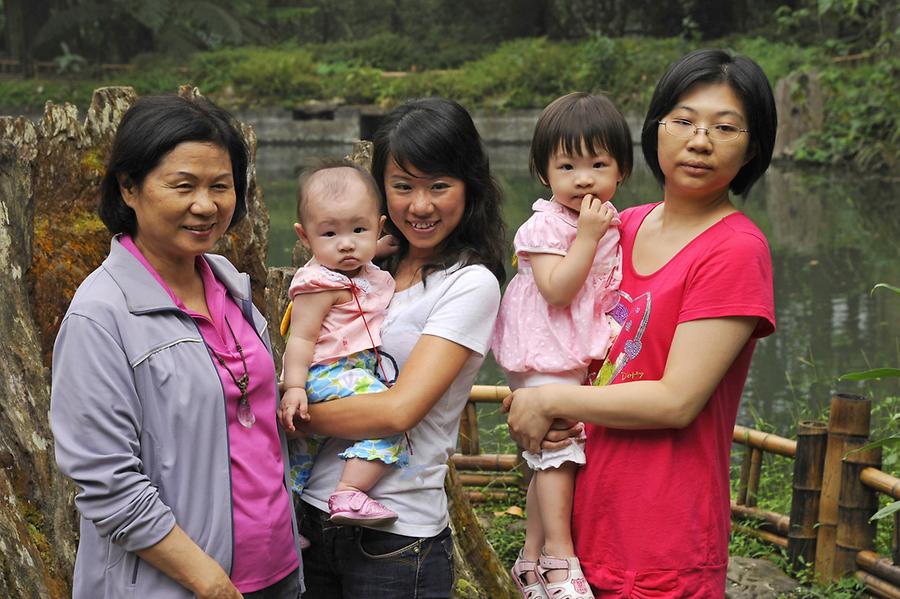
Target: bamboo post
x=856, y=504
x=895, y=543
x=806, y=490
x=468, y=431
x=753, y=481
x=848, y=419
x=745, y=476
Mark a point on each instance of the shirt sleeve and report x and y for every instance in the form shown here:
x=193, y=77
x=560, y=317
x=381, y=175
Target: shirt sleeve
x=466, y=309
x=95, y=415
x=315, y=278
x=544, y=233
x=732, y=279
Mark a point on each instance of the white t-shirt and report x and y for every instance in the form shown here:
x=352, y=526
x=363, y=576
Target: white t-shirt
x=460, y=305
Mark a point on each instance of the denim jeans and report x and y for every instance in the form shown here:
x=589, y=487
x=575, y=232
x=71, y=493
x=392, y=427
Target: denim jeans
x=364, y=563
x=286, y=588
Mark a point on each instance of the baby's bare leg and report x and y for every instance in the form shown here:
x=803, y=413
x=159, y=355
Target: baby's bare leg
x=361, y=475
x=555, y=490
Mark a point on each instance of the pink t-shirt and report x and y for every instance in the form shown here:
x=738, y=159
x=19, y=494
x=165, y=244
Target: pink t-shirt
x=264, y=550
x=651, y=512
x=343, y=331
x=530, y=335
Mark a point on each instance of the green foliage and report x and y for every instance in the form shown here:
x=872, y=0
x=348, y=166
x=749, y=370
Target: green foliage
x=862, y=120
x=505, y=532
x=284, y=76
x=390, y=51
x=862, y=108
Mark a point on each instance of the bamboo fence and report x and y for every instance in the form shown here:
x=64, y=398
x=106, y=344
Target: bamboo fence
x=834, y=490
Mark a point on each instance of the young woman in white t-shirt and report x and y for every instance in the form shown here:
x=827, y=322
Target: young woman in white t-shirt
x=443, y=211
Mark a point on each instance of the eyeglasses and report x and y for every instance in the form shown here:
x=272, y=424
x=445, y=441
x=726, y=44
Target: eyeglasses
x=684, y=129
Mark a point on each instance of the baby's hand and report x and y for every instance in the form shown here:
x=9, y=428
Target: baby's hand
x=293, y=403
x=595, y=217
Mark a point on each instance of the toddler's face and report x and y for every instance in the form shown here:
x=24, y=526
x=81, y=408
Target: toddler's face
x=341, y=231
x=572, y=176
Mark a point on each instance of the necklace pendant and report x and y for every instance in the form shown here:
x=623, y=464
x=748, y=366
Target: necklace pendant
x=245, y=413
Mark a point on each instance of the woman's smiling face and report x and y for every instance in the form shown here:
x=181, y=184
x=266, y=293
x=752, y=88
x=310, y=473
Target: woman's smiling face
x=185, y=204
x=425, y=209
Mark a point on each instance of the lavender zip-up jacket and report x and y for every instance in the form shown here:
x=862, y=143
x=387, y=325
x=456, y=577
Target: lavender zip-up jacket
x=138, y=417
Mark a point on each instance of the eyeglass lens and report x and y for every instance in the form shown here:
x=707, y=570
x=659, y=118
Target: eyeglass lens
x=685, y=129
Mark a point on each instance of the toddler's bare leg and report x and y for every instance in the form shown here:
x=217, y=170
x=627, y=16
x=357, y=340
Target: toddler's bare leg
x=361, y=475
x=534, y=530
x=555, y=489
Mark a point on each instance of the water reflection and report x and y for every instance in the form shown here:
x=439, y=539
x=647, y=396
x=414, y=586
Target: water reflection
x=833, y=236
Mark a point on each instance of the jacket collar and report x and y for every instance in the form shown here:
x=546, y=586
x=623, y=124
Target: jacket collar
x=142, y=292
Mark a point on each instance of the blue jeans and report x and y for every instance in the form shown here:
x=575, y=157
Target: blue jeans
x=286, y=588
x=364, y=563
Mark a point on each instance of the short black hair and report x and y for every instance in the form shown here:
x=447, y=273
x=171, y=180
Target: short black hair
x=438, y=137
x=152, y=128
x=579, y=120
x=749, y=83
x=364, y=175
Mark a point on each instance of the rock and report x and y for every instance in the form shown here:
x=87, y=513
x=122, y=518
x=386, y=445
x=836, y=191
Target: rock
x=750, y=578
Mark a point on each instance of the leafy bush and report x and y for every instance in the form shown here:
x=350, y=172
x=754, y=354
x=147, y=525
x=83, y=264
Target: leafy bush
x=283, y=76
x=862, y=117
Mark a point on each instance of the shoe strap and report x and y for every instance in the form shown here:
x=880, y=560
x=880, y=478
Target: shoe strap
x=357, y=501
x=548, y=562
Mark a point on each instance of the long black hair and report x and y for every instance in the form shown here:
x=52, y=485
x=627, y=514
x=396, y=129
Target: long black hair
x=437, y=137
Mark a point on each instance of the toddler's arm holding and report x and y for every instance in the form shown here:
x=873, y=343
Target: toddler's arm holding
x=307, y=316
x=559, y=278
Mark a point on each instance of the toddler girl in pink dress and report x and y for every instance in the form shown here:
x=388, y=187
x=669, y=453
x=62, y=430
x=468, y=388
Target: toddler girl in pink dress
x=553, y=318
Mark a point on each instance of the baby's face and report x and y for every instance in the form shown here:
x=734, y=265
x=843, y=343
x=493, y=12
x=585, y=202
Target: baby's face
x=341, y=232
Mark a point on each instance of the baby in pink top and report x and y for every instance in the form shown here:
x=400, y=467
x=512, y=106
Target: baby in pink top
x=338, y=304
x=553, y=322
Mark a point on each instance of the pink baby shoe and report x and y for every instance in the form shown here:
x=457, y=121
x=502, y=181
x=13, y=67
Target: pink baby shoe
x=355, y=507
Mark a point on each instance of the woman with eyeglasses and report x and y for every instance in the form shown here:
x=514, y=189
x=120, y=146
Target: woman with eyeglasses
x=164, y=393
x=651, y=514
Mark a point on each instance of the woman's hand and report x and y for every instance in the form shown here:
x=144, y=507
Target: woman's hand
x=218, y=587
x=528, y=420
x=177, y=556
x=561, y=433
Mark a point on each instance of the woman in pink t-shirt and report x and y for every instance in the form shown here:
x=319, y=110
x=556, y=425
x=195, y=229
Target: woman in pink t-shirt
x=651, y=511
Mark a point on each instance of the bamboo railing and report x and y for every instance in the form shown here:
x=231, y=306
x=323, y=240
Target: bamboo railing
x=834, y=490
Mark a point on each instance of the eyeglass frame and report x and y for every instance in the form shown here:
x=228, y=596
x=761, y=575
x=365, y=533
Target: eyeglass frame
x=705, y=129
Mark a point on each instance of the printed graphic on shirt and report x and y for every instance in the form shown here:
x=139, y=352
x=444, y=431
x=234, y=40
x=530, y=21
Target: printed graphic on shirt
x=632, y=315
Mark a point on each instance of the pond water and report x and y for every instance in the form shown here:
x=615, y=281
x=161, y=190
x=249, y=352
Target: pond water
x=833, y=234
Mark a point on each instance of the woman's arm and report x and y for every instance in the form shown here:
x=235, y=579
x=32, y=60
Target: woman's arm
x=429, y=371
x=702, y=351
x=178, y=557
x=307, y=314
x=559, y=278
